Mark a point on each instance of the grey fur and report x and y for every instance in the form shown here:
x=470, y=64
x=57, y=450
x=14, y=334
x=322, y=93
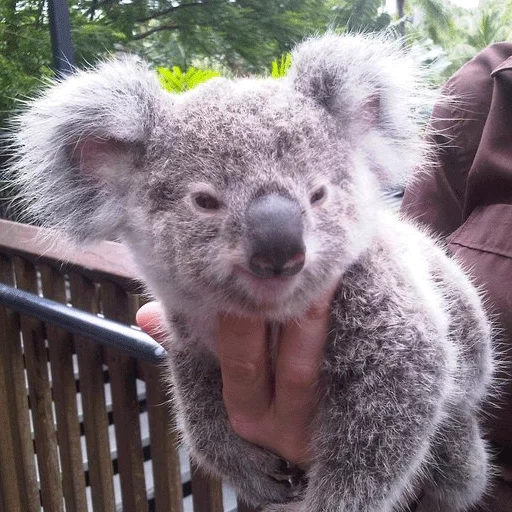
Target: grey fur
x=108, y=152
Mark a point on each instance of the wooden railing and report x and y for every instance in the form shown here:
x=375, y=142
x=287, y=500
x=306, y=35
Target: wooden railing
x=83, y=427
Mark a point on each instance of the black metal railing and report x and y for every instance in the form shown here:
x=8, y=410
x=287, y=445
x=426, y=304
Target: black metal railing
x=107, y=332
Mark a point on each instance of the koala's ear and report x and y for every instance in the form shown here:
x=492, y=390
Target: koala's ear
x=375, y=93
x=79, y=145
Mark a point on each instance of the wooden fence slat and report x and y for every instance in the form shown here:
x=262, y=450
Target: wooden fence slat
x=36, y=363
x=164, y=443
x=206, y=491
x=9, y=488
x=11, y=357
x=90, y=368
x=109, y=260
x=3, y=491
x=125, y=407
x=64, y=393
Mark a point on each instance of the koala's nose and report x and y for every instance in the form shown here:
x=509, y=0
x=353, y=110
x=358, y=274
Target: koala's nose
x=275, y=233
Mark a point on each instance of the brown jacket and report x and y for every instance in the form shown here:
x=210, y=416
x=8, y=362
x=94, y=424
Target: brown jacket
x=468, y=200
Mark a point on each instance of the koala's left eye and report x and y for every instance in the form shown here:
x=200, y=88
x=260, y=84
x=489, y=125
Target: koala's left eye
x=318, y=195
x=206, y=201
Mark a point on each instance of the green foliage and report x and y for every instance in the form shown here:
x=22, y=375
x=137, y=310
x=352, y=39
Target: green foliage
x=474, y=30
x=233, y=36
x=238, y=36
x=280, y=66
x=25, y=49
x=22, y=53
x=16, y=83
x=491, y=23
x=440, y=35
x=175, y=80
x=437, y=19
x=93, y=41
x=451, y=35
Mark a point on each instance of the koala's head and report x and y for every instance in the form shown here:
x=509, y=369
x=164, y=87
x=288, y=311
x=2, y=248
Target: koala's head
x=255, y=194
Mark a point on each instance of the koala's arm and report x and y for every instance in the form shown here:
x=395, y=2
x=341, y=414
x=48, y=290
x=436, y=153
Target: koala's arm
x=253, y=471
x=385, y=376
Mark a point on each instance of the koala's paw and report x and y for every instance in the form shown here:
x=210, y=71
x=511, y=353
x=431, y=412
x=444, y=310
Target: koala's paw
x=279, y=486
x=275, y=481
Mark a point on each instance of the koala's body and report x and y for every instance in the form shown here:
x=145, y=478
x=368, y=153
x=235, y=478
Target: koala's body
x=256, y=196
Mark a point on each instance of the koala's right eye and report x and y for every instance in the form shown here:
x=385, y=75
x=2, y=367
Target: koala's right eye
x=318, y=195
x=206, y=201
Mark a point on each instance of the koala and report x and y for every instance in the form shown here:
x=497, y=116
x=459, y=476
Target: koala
x=256, y=196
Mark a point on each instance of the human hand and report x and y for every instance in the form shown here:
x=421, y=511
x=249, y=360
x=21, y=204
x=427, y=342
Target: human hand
x=273, y=409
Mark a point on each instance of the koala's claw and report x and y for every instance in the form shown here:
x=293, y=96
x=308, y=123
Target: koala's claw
x=290, y=475
x=283, y=492
x=268, y=478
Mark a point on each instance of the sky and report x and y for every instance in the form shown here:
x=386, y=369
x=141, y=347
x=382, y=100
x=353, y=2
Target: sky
x=470, y=4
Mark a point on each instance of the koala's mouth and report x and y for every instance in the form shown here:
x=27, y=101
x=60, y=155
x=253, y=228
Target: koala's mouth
x=267, y=289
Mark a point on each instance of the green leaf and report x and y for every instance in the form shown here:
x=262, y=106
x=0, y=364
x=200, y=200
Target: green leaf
x=175, y=80
x=280, y=67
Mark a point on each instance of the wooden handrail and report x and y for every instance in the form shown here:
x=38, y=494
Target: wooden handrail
x=106, y=260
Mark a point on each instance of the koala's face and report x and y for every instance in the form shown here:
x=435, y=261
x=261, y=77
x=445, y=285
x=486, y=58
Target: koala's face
x=251, y=199
x=252, y=194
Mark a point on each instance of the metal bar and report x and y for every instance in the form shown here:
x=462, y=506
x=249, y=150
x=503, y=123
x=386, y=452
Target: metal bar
x=60, y=30
x=107, y=332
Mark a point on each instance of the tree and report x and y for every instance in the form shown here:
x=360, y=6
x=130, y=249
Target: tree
x=475, y=29
x=25, y=50
x=17, y=76
x=436, y=16
x=242, y=35
x=239, y=35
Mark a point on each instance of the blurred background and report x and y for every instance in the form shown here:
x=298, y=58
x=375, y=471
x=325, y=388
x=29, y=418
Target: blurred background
x=234, y=37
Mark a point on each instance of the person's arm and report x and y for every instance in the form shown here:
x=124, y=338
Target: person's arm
x=466, y=197
x=443, y=197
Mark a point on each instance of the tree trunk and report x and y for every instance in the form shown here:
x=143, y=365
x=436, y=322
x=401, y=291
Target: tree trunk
x=11, y=22
x=400, y=8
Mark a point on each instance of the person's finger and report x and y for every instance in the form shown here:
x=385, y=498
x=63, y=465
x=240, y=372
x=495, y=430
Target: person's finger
x=150, y=318
x=246, y=373
x=298, y=362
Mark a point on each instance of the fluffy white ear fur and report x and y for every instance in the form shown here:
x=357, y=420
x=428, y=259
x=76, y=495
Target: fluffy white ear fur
x=80, y=138
x=358, y=79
